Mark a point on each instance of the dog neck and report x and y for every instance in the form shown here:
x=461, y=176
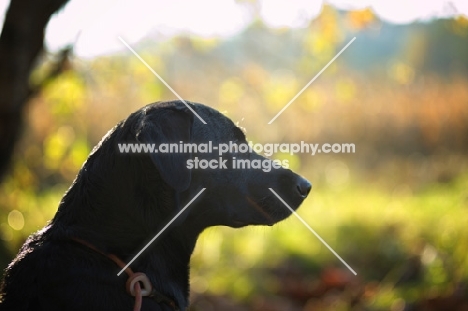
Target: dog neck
x=167, y=264
x=135, y=281
x=121, y=219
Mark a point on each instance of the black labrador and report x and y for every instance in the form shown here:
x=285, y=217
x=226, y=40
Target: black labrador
x=119, y=201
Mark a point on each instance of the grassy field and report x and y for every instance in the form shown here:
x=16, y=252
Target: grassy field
x=404, y=244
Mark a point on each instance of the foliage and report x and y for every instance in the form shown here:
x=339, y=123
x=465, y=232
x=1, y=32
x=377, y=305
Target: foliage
x=397, y=205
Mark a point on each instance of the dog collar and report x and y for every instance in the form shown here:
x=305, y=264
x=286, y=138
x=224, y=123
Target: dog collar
x=133, y=285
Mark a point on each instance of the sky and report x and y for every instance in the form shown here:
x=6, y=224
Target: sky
x=94, y=26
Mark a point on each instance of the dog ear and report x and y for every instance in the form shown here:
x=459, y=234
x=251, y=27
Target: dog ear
x=170, y=125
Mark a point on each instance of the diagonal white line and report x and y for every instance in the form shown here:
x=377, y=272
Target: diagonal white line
x=313, y=79
x=313, y=231
x=160, y=232
x=161, y=79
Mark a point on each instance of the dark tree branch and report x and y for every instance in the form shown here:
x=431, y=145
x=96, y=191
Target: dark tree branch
x=62, y=64
x=21, y=42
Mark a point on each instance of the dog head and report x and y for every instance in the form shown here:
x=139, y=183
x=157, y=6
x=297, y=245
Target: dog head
x=237, y=180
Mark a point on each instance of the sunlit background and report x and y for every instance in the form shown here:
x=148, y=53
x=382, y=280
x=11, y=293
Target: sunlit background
x=396, y=210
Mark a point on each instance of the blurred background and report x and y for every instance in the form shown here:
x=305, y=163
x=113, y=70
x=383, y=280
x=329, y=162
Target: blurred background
x=396, y=210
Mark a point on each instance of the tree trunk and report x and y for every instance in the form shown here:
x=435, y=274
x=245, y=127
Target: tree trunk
x=21, y=42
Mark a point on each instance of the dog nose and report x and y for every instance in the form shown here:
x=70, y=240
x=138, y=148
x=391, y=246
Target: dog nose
x=304, y=186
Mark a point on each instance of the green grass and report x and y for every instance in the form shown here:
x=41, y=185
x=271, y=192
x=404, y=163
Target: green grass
x=375, y=230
